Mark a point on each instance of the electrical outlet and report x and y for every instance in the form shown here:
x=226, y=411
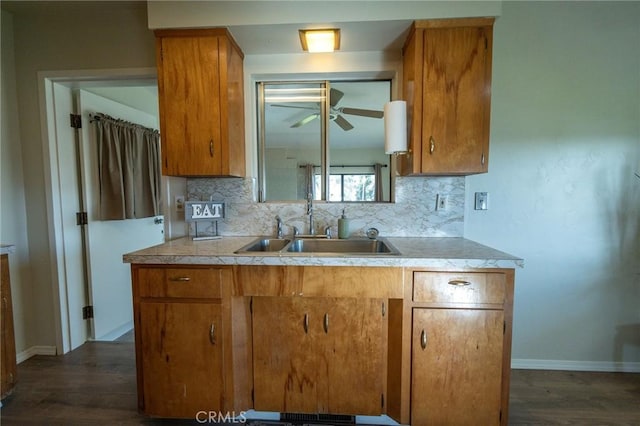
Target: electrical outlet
x=442, y=202
x=179, y=202
x=482, y=201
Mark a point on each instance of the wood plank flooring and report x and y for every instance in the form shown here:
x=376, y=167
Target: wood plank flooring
x=95, y=384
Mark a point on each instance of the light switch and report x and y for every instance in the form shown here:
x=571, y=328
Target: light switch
x=482, y=201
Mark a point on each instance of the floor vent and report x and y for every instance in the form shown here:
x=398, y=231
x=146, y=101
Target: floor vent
x=320, y=419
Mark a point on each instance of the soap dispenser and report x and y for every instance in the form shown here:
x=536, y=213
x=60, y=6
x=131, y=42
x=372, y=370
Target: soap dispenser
x=343, y=226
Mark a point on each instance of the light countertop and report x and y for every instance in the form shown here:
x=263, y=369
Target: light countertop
x=414, y=252
x=7, y=248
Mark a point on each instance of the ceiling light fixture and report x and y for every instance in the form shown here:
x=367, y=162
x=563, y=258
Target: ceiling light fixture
x=320, y=40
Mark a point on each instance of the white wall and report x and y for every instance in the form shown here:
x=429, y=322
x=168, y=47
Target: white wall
x=87, y=36
x=13, y=211
x=565, y=141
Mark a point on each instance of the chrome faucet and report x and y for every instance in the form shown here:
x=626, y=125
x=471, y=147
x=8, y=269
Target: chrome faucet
x=279, y=233
x=312, y=230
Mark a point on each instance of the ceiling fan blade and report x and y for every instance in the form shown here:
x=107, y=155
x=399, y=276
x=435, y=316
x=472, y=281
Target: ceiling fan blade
x=362, y=112
x=342, y=122
x=307, y=119
x=293, y=106
x=334, y=96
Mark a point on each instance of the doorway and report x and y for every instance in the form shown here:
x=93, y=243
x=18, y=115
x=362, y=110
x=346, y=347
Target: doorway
x=105, y=283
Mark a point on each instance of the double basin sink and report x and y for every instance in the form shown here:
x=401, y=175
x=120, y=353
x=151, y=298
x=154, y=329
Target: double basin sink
x=324, y=246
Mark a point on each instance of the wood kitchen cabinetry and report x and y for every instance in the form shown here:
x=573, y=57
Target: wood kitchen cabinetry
x=184, y=338
x=201, y=99
x=461, y=340
x=446, y=83
x=422, y=346
x=319, y=355
x=7, y=337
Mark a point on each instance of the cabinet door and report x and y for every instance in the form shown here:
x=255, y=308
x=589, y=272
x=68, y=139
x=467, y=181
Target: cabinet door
x=181, y=347
x=284, y=355
x=318, y=355
x=456, y=100
x=352, y=352
x=456, y=374
x=189, y=98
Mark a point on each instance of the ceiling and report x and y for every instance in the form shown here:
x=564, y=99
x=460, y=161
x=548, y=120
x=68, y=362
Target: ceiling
x=354, y=36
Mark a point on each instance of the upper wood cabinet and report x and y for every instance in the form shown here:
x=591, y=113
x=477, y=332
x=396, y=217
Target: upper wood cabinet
x=201, y=99
x=447, y=86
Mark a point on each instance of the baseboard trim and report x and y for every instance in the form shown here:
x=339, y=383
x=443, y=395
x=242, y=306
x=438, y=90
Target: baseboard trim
x=35, y=350
x=115, y=333
x=604, y=366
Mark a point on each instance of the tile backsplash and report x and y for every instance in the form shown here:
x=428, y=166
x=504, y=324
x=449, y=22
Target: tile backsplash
x=413, y=214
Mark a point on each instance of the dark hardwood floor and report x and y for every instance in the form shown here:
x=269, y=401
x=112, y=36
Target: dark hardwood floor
x=95, y=384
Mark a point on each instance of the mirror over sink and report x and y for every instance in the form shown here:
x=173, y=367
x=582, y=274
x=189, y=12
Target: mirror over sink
x=325, y=138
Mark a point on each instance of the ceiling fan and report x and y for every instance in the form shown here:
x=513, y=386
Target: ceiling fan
x=335, y=112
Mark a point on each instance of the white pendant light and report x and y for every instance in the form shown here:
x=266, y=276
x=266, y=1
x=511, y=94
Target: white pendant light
x=395, y=127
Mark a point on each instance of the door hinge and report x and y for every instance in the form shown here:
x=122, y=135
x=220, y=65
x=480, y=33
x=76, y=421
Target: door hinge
x=384, y=309
x=82, y=218
x=87, y=312
x=75, y=121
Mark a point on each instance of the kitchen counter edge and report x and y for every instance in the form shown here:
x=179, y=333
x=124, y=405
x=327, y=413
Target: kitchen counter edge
x=432, y=252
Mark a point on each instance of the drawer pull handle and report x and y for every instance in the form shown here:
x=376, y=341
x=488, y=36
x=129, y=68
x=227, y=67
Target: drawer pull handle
x=423, y=340
x=180, y=279
x=212, y=334
x=305, y=323
x=459, y=283
x=211, y=147
x=326, y=323
x=432, y=145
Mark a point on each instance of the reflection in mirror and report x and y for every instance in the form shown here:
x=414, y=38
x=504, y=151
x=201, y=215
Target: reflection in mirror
x=332, y=146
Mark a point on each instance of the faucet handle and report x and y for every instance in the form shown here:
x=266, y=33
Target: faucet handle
x=327, y=231
x=296, y=231
x=372, y=233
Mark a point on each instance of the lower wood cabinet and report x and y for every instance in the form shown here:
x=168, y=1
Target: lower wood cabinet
x=181, y=349
x=319, y=355
x=461, y=347
x=8, y=366
x=456, y=374
x=193, y=341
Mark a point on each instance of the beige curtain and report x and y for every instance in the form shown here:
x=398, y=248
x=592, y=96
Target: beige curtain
x=377, y=171
x=129, y=169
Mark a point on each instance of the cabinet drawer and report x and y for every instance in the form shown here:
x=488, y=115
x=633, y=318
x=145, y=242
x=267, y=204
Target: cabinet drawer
x=457, y=288
x=180, y=282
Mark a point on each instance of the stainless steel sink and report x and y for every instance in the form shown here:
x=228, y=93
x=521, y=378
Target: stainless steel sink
x=358, y=247
x=319, y=246
x=265, y=244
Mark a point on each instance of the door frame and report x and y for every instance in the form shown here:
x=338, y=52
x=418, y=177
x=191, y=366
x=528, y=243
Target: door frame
x=53, y=199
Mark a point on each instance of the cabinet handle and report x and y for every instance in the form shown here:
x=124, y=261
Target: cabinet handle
x=482, y=159
x=212, y=334
x=432, y=145
x=423, y=340
x=459, y=283
x=326, y=323
x=305, y=323
x=211, y=147
x=180, y=279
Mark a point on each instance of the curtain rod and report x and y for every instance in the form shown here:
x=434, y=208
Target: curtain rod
x=302, y=166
